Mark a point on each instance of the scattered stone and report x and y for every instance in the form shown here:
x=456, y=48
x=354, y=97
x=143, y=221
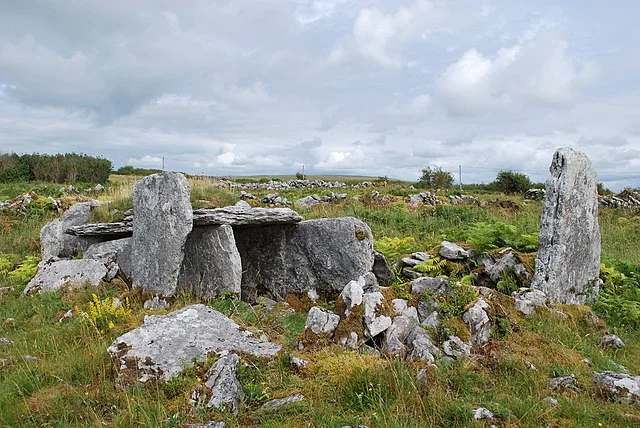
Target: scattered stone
x=422, y=347
x=299, y=363
x=397, y=334
x=551, y=401
x=30, y=358
x=212, y=264
x=482, y=413
x=562, y=382
x=611, y=341
x=352, y=294
x=279, y=402
x=451, y=251
x=374, y=324
x=54, y=242
x=400, y=307
x=313, y=295
x=66, y=316
x=456, y=348
x=242, y=204
x=535, y=194
x=587, y=361
x=408, y=261
x=421, y=255
x=507, y=263
x=350, y=341
x=5, y=341
x=478, y=321
x=426, y=198
x=323, y=254
x=222, y=380
x=113, y=230
x=6, y=290
x=568, y=262
x=619, y=386
x=52, y=275
x=308, y=202
x=268, y=303
x=410, y=273
x=528, y=299
x=156, y=304
x=161, y=224
x=428, y=312
x=321, y=322
x=530, y=365
x=381, y=270
x=439, y=287
x=210, y=424
x=165, y=344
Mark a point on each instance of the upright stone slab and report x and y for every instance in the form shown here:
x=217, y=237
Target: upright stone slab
x=324, y=254
x=568, y=262
x=56, y=243
x=162, y=221
x=212, y=263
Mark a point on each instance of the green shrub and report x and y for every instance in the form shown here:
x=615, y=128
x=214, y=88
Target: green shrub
x=25, y=270
x=512, y=182
x=392, y=248
x=485, y=236
x=619, y=299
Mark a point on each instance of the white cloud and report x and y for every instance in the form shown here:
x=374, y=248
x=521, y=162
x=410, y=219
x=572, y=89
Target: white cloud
x=539, y=69
x=310, y=11
x=146, y=161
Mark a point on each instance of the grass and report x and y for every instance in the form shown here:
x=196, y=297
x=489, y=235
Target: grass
x=72, y=382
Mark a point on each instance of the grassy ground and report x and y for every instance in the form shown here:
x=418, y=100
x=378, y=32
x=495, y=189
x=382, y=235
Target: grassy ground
x=71, y=382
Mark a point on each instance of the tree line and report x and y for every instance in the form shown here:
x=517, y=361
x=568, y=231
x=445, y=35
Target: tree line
x=59, y=168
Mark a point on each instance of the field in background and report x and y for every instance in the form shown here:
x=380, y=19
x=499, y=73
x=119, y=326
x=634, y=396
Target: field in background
x=71, y=383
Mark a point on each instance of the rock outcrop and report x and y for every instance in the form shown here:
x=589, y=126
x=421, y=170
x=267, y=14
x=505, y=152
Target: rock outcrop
x=212, y=264
x=162, y=221
x=118, y=251
x=322, y=254
x=222, y=380
x=165, y=344
x=54, y=274
x=55, y=242
x=568, y=262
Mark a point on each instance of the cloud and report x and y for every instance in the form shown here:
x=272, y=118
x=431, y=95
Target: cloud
x=147, y=161
x=538, y=70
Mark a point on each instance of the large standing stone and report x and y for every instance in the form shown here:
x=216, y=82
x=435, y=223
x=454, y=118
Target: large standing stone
x=324, y=254
x=56, y=243
x=165, y=344
x=118, y=250
x=162, y=221
x=53, y=274
x=568, y=262
x=211, y=263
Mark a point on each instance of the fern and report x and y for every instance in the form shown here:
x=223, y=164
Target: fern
x=392, y=248
x=432, y=267
x=25, y=270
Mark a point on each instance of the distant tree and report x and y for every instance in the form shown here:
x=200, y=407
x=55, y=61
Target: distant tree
x=603, y=191
x=435, y=178
x=299, y=175
x=512, y=182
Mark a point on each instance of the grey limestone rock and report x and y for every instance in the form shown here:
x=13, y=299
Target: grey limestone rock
x=211, y=264
x=165, y=344
x=116, y=229
x=528, y=299
x=322, y=254
x=478, y=321
x=482, y=413
x=155, y=304
x=438, y=286
x=451, y=251
x=456, y=348
x=562, y=382
x=118, y=251
x=352, y=294
x=507, y=263
x=53, y=274
x=381, y=270
x=320, y=321
x=279, y=402
x=55, y=242
x=619, y=386
x=568, y=262
x=373, y=322
x=161, y=224
x=308, y=202
x=611, y=341
x=422, y=347
x=395, y=338
x=222, y=380
x=238, y=216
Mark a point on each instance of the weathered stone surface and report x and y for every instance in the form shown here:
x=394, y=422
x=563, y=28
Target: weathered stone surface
x=619, y=386
x=482, y=413
x=321, y=322
x=527, y=300
x=508, y=262
x=381, y=270
x=373, y=322
x=279, y=402
x=324, y=254
x=222, y=380
x=116, y=229
x=478, y=321
x=352, y=294
x=164, y=345
x=5, y=341
x=428, y=312
x=451, y=251
x=400, y=307
x=238, y=216
x=156, y=304
x=161, y=224
x=456, y=348
x=307, y=202
x=396, y=336
x=611, y=341
x=118, y=251
x=52, y=274
x=55, y=242
x=212, y=264
x=438, y=286
x=568, y=262
x=562, y=382
x=422, y=347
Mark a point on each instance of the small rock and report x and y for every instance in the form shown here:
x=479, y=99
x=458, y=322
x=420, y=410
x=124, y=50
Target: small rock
x=268, y=303
x=320, y=321
x=299, y=362
x=156, y=304
x=374, y=323
x=352, y=294
x=456, y=348
x=478, y=321
x=400, y=308
x=6, y=290
x=451, y=251
x=5, y=341
x=210, y=424
x=422, y=376
x=279, y=402
x=551, y=401
x=439, y=286
x=67, y=315
x=30, y=358
x=619, y=386
x=313, y=295
x=562, y=382
x=381, y=270
x=528, y=299
x=587, y=361
x=4, y=362
x=242, y=204
x=408, y=261
x=482, y=413
x=530, y=365
x=226, y=390
x=421, y=255
x=611, y=341
x=99, y=187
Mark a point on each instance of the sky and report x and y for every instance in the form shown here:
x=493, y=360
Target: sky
x=381, y=88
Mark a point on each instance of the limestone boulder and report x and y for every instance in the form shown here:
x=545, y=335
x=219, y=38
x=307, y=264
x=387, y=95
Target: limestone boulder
x=55, y=242
x=568, y=262
x=163, y=219
x=222, y=380
x=323, y=254
x=53, y=274
x=118, y=251
x=619, y=386
x=166, y=344
x=212, y=264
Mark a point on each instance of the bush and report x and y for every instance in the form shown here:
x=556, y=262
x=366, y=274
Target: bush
x=435, y=178
x=60, y=168
x=512, y=182
x=392, y=248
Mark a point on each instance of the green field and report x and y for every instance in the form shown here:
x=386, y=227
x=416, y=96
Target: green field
x=71, y=384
